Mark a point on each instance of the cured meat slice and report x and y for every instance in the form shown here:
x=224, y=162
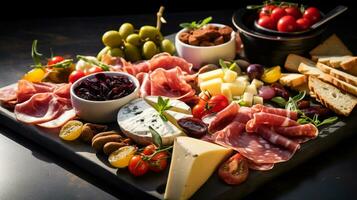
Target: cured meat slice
x=166, y=61
x=26, y=89
x=304, y=130
x=59, y=121
x=167, y=83
x=277, y=111
x=269, y=119
x=269, y=134
x=63, y=91
x=224, y=117
x=260, y=167
x=8, y=93
x=244, y=115
x=41, y=107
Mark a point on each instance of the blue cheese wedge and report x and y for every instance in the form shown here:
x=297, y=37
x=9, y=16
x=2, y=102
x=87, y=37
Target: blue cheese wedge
x=193, y=162
x=135, y=118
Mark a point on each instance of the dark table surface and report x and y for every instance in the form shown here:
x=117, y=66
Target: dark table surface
x=28, y=171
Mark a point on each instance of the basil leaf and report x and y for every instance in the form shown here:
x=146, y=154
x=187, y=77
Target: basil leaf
x=36, y=56
x=329, y=120
x=279, y=100
x=156, y=138
x=161, y=106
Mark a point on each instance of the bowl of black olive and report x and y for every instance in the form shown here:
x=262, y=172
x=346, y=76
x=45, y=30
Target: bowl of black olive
x=98, y=97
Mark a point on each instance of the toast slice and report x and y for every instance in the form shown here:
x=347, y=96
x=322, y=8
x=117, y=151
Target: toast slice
x=333, y=61
x=309, y=70
x=330, y=96
x=292, y=79
x=343, y=76
x=293, y=61
x=332, y=46
x=350, y=65
x=338, y=83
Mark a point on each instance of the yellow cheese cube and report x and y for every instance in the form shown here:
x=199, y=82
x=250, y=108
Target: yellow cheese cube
x=251, y=89
x=218, y=73
x=257, y=100
x=237, y=88
x=229, y=76
x=243, y=78
x=213, y=86
x=248, y=98
x=226, y=90
x=257, y=83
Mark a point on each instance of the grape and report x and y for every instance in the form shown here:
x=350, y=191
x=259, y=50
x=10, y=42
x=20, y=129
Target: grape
x=112, y=39
x=131, y=52
x=134, y=39
x=116, y=52
x=255, y=71
x=126, y=29
x=167, y=46
x=148, y=32
x=149, y=49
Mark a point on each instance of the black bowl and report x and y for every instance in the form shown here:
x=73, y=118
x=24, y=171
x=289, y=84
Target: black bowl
x=271, y=49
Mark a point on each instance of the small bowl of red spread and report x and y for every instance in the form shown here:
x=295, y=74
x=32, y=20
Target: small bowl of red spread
x=98, y=97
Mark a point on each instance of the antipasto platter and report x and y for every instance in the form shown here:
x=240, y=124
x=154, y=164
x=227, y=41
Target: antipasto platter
x=190, y=119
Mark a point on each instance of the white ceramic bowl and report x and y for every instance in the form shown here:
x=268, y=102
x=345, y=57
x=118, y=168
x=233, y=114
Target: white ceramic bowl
x=199, y=56
x=101, y=111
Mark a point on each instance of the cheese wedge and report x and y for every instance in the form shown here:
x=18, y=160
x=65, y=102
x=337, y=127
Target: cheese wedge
x=193, y=162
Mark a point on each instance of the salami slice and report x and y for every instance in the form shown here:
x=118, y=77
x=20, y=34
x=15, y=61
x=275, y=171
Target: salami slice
x=305, y=130
x=260, y=167
x=277, y=111
x=223, y=118
x=269, y=134
x=273, y=119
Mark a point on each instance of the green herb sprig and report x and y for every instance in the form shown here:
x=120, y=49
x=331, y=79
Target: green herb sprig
x=104, y=67
x=161, y=106
x=227, y=65
x=196, y=25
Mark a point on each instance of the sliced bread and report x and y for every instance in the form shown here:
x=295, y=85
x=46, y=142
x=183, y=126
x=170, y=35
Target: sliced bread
x=309, y=70
x=330, y=96
x=338, y=83
x=348, y=78
x=332, y=46
x=350, y=65
x=333, y=61
x=293, y=61
x=292, y=79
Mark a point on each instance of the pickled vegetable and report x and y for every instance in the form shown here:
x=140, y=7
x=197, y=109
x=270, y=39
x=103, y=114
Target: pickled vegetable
x=149, y=49
x=71, y=130
x=131, y=52
x=125, y=30
x=149, y=32
x=121, y=157
x=35, y=75
x=112, y=39
x=271, y=75
x=116, y=52
x=167, y=46
x=134, y=39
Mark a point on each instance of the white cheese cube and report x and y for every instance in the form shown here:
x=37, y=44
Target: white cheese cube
x=248, y=99
x=218, y=73
x=251, y=89
x=257, y=83
x=257, y=100
x=229, y=76
x=243, y=78
x=193, y=162
x=213, y=86
x=226, y=90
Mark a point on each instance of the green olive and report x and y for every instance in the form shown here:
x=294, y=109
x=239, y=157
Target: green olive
x=149, y=49
x=134, y=39
x=112, y=39
x=148, y=32
x=167, y=46
x=126, y=29
x=116, y=52
x=131, y=52
x=102, y=52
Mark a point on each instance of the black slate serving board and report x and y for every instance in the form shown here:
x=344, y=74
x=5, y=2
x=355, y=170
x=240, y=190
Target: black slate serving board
x=152, y=186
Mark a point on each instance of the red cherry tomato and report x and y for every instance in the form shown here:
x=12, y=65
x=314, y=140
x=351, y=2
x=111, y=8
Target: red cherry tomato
x=287, y=24
x=266, y=22
x=158, y=162
x=313, y=14
x=277, y=13
x=266, y=10
x=149, y=150
x=217, y=103
x=75, y=75
x=235, y=170
x=293, y=11
x=93, y=70
x=303, y=23
x=199, y=110
x=54, y=60
x=138, y=166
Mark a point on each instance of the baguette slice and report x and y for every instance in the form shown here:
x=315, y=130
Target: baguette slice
x=332, y=46
x=293, y=61
x=333, y=61
x=338, y=83
x=309, y=70
x=343, y=76
x=350, y=65
x=292, y=79
x=330, y=96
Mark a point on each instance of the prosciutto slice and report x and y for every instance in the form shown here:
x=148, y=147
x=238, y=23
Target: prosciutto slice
x=269, y=119
x=26, y=89
x=277, y=111
x=59, y=121
x=41, y=107
x=8, y=93
x=167, y=83
x=305, y=130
